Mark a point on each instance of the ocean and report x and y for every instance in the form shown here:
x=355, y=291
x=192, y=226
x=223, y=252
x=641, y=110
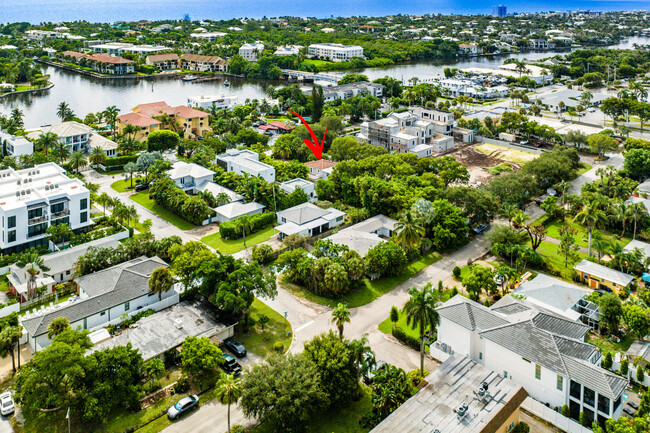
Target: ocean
x=37, y=11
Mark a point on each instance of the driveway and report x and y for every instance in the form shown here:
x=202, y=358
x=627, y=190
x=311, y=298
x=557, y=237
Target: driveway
x=614, y=159
x=5, y=425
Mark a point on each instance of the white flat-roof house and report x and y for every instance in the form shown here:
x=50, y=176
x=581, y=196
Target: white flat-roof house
x=307, y=219
x=543, y=352
x=104, y=298
x=345, y=91
x=362, y=236
x=119, y=48
x=207, y=101
x=288, y=50
x=12, y=145
x=306, y=186
x=335, y=52
x=208, y=36
x=190, y=177
x=251, y=51
x=246, y=161
x=35, y=198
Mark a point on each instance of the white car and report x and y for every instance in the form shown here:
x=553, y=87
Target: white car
x=7, y=405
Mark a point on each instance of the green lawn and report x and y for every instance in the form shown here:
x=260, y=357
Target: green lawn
x=606, y=345
x=386, y=326
x=231, y=246
x=582, y=237
x=143, y=199
x=4, y=283
x=261, y=341
x=585, y=168
x=550, y=252
x=318, y=63
x=124, y=185
x=370, y=290
x=337, y=420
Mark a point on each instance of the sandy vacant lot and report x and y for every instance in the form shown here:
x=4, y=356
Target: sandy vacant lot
x=506, y=153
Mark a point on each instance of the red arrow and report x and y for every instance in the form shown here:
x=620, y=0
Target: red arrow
x=315, y=147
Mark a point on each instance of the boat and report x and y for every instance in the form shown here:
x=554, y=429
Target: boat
x=226, y=83
x=189, y=78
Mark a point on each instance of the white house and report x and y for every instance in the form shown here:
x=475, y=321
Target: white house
x=99, y=141
x=104, y=298
x=251, y=51
x=15, y=146
x=75, y=134
x=306, y=186
x=345, y=91
x=307, y=219
x=363, y=236
x=335, y=52
x=35, y=198
x=189, y=176
x=321, y=168
x=543, y=352
x=207, y=101
x=234, y=210
x=288, y=50
x=246, y=161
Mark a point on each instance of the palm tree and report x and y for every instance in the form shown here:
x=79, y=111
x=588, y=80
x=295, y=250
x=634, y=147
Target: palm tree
x=509, y=210
x=64, y=112
x=228, y=392
x=420, y=311
x=33, y=264
x=57, y=327
x=637, y=212
x=160, y=281
x=61, y=151
x=409, y=231
x=222, y=198
x=340, y=316
x=129, y=170
x=110, y=114
x=105, y=200
x=9, y=342
x=592, y=217
x=97, y=156
x=601, y=244
x=246, y=225
x=78, y=160
x=47, y=141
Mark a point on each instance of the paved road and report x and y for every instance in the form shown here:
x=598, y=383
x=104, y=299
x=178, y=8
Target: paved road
x=5, y=425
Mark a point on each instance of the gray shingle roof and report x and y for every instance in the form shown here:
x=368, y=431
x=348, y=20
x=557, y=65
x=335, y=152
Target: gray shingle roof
x=107, y=288
x=469, y=314
x=560, y=326
x=598, y=379
x=303, y=213
x=604, y=272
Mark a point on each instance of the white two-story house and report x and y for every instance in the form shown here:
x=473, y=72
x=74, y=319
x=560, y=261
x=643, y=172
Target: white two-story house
x=190, y=177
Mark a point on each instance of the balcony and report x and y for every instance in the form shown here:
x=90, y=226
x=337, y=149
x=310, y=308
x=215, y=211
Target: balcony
x=61, y=214
x=37, y=220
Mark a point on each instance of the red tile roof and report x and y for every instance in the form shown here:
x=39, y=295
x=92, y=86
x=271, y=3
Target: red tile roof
x=138, y=119
x=74, y=54
x=320, y=164
x=188, y=112
x=105, y=58
x=281, y=125
x=162, y=57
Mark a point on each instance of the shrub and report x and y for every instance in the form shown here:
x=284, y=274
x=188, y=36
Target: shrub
x=119, y=161
x=151, y=387
x=456, y=273
x=607, y=361
x=624, y=367
x=565, y=411
x=522, y=427
x=639, y=374
x=406, y=339
x=237, y=429
x=182, y=385
x=278, y=347
x=415, y=377
x=263, y=254
x=161, y=140
x=233, y=229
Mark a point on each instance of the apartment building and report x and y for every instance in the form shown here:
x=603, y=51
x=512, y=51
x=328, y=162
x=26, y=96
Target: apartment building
x=405, y=132
x=197, y=62
x=289, y=50
x=164, y=62
x=543, y=352
x=245, y=161
x=119, y=48
x=208, y=36
x=15, y=146
x=250, y=52
x=35, y=198
x=335, y=52
x=345, y=91
x=111, y=65
x=194, y=122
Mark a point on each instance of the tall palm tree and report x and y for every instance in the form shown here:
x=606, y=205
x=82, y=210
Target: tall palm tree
x=229, y=392
x=637, y=212
x=64, y=112
x=246, y=226
x=420, y=311
x=97, y=156
x=47, y=141
x=78, y=160
x=110, y=114
x=340, y=316
x=591, y=216
x=105, y=201
x=409, y=231
x=509, y=210
x=61, y=151
x=160, y=281
x=33, y=264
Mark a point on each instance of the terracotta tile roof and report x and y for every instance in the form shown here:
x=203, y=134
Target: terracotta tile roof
x=320, y=164
x=138, y=119
x=74, y=54
x=153, y=108
x=281, y=125
x=105, y=58
x=187, y=112
x=205, y=59
x=162, y=57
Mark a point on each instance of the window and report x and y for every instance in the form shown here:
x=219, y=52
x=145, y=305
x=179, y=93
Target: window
x=560, y=383
x=11, y=222
x=505, y=374
x=480, y=355
x=589, y=397
x=103, y=313
x=575, y=390
x=538, y=372
x=603, y=404
x=127, y=306
x=83, y=204
x=511, y=426
x=84, y=217
x=11, y=237
x=67, y=272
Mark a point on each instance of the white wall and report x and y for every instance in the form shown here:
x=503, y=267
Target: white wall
x=455, y=336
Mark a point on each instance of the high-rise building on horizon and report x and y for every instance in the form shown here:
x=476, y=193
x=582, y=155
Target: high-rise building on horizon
x=499, y=11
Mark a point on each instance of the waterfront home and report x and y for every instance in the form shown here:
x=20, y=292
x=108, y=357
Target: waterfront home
x=164, y=62
x=307, y=219
x=335, y=52
x=104, y=297
x=196, y=62
x=147, y=117
x=206, y=102
x=105, y=64
x=251, y=51
x=12, y=145
x=33, y=199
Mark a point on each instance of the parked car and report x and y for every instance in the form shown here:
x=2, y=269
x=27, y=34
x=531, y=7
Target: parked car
x=7, y=405
x=141, y=187
x=633, y=405
x=231, y=366
x=183, y=406
x=236, y=348
x=373, y=371
x=629, y=411
x=591, y=110
x=480, y=228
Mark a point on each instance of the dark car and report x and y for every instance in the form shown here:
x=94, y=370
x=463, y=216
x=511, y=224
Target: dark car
x=231, y=366
x=141, y=187
x=183, y=406
x=236, y=348
x=480, y=228
x=633, y=405
x=629, y=411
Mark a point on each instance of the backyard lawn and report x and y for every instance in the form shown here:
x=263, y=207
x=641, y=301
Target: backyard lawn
x=550, y=252
x=337, y=420
x=606, y=345
x=582, y=237
x=261, y=341
x=143, y=199
x=230, y=246
x=123, y=185
x=370, y=290
x=318, y=63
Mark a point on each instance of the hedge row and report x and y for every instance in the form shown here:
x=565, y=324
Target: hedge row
x=233, y=229
x=120, y=161
x=406, y=339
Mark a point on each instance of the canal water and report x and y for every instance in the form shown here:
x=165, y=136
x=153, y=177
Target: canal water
x=87, y=94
